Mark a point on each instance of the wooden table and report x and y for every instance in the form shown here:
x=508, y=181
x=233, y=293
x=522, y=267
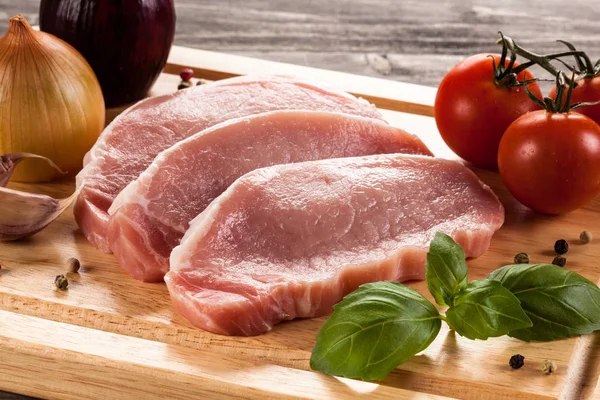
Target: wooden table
x=413, y=40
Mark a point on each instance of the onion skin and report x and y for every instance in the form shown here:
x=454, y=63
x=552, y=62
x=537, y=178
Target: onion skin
x=50, y=102
x=127, y=42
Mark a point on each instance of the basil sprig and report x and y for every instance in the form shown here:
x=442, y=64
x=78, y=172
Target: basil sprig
x=383, y=324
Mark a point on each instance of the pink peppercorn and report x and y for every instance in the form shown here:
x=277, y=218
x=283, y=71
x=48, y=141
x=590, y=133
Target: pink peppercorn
x=186, y=74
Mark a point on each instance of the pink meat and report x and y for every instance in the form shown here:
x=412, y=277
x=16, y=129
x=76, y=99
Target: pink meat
x=290, y=241
x=150, y=216
x=130, y=143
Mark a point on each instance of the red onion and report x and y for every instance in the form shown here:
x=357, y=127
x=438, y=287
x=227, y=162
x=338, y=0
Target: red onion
x=126, y=42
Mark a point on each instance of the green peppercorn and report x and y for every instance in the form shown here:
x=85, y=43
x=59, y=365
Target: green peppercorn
x=561, y=246
x=61, y=282
x=184, y=85
x=549, y=367
x=522, y=258
x=560, y=261
x=585, y=237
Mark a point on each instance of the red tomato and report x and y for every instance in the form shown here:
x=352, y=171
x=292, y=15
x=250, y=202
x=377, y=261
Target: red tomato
x=550, y=162
x=472, y=111
x=587, y=90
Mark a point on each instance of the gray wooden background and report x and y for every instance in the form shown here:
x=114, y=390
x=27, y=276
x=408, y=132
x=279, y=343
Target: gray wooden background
x=407, y=40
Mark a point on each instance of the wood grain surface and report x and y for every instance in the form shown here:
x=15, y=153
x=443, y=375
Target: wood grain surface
x=410, y=40
x=89, y=327
x=414, y=41
x=69, y=362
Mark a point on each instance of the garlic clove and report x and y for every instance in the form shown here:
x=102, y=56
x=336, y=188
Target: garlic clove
x=24, y=214
x=8, y=162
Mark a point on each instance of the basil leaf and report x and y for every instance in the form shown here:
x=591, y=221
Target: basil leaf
x=373, y=330
x=559, y=302
x=486, y=309
x=446, y=269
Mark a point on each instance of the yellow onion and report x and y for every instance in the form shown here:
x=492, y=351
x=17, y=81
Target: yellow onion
x=51, y=103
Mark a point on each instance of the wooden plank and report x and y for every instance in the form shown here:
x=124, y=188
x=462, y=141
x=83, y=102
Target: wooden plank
x=383, y=93
x=55, y=360
x=103, y=298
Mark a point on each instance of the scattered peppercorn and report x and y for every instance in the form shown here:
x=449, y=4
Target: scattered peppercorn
x=516, y=361
x=184, y=85
x=560, y=261
x=561, y=246
x=202, y=82
x=585, y=237
x=73, y=265
x=186, y=74
x=61, y=282
x=549, y=367
x=522, y=258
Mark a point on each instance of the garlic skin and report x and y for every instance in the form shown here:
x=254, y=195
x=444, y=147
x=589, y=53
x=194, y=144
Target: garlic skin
x=8, y=162
x=51, y=103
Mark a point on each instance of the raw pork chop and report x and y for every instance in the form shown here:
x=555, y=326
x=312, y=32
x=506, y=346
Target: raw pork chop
x=150, y=216
x=291, y=240
x=130, y=143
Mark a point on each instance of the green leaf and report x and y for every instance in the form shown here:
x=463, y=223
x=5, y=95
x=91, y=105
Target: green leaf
x=446, y=269
x=559, y=302
x=486, y=309
x=373, y=330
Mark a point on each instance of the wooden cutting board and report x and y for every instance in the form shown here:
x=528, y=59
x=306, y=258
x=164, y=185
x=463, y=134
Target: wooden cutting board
x=110, y=336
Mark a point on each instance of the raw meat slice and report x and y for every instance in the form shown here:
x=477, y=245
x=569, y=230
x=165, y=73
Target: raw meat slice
x=150, y=216
x=130, y=143
x=290, y=241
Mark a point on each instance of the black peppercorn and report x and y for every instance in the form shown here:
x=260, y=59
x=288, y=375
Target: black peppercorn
x=561, y=246
x=522, y=258
x=560, y=261
x=516, y=361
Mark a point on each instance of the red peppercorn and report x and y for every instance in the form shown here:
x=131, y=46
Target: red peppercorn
x=186, y=74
